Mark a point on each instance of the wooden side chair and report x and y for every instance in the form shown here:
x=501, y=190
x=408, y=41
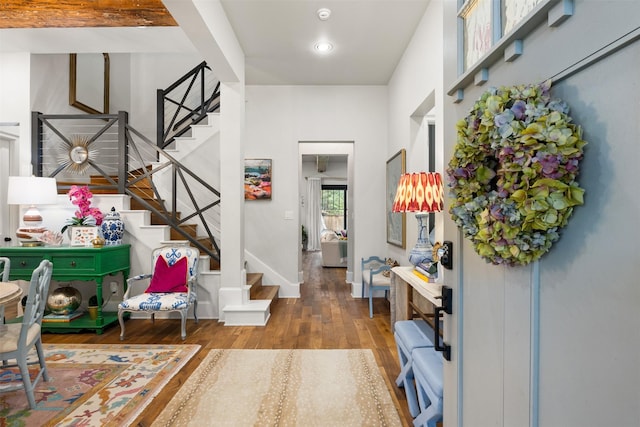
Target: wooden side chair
x=16, y=339
x=374, y=279
x=173, y=286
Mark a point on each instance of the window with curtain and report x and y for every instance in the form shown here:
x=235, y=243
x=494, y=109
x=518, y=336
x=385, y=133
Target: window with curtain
x=334, y=206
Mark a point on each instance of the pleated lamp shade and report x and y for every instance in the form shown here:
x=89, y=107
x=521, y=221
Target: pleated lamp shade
x=420, y=193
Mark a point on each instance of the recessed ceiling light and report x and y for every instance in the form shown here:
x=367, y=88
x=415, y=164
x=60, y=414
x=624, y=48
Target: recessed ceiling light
x=323, y=14
x=323, y=47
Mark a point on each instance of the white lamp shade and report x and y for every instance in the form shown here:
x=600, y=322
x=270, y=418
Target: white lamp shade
x=32, y=190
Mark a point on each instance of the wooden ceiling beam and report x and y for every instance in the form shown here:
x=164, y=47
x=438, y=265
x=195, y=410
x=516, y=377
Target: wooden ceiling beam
x=83, y=13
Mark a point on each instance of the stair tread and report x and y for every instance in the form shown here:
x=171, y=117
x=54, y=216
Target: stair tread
x=268, y=292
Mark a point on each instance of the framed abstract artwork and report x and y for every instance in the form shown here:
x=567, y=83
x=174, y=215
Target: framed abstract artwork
x=396, y=221
x=257, y=179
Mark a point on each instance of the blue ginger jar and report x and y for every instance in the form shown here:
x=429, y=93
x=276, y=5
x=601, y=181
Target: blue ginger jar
x=112, y=228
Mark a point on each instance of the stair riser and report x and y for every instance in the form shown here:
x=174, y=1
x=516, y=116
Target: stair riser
x=175, y=235
x=159, y=220
x=135, y=204
x=252, y=315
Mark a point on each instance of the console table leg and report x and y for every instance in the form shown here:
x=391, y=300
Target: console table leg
x=99, y=319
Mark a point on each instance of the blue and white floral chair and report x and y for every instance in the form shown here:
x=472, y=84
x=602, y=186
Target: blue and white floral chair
x=172, y=287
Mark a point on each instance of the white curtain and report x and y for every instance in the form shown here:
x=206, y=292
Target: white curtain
x=315, y=222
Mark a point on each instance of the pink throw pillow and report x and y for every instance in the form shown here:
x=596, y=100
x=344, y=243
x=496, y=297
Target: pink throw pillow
x=169, y=278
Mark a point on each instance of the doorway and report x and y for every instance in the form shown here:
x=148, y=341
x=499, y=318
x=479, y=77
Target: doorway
x=8, y=139
x=330, y=163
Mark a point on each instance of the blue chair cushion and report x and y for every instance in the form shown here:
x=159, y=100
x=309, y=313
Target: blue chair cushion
x=157, y=302
x=414, y=334
x=427, y=363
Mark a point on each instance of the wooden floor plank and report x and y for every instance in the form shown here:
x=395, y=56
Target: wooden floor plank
x=325, y=316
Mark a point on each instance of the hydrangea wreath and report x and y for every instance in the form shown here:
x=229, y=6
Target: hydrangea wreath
x=513, y=173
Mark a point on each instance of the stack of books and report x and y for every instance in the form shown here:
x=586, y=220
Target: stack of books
x=53, y=318
x=427, y=271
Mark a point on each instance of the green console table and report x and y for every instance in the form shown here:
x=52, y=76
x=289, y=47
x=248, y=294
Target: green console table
x=73, y=263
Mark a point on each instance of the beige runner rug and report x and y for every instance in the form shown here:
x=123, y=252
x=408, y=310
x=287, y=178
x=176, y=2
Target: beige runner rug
x=283, y=388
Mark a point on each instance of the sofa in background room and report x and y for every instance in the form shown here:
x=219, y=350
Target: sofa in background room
x=334, y=249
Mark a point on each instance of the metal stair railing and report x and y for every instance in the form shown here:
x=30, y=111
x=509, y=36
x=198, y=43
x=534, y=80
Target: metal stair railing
x=186, y=102
x=129, y=163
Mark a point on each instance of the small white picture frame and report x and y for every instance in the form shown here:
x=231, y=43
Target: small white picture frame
x=82, y=236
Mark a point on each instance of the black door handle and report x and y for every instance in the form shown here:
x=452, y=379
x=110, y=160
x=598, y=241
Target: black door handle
x=446, y=298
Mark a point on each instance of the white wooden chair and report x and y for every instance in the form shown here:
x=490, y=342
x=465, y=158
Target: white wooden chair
x=16, y=339
x=172, y=287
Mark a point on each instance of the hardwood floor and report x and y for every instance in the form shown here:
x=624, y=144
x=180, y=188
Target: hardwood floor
x=325, y=316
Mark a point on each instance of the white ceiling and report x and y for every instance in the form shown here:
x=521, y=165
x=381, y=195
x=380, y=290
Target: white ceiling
x=277, y=36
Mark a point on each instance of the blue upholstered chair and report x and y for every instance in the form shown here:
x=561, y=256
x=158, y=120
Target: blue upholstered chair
x=409, y=335
x=16, y=339
x=374, y=279
x=172, y=287
x=427, y=368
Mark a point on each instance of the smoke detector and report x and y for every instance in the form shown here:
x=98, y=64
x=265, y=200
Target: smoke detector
x=323, y=13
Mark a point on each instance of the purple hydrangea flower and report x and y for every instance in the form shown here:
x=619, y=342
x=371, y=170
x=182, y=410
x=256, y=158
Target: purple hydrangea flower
x=519, y=107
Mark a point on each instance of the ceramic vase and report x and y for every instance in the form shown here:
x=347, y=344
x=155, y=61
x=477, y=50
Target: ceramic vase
x=112, y=228
x=64, y=300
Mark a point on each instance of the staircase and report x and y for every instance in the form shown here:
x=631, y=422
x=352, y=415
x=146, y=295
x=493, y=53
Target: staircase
x=147, y=230
x=257, y=310
x=187, y=134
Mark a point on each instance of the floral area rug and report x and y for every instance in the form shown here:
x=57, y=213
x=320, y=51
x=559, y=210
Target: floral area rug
x=283, y=388
x=92, y=384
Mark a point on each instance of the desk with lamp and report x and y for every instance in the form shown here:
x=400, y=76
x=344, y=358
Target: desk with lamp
x=69, y=263
x=31, y=191
x=421, y=193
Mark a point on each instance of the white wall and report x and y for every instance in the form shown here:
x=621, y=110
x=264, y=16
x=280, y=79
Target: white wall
x=278, y=118
x=415, y=89
x=50, y=84
x=134, y=80
x=150, y=72
x=336, y=168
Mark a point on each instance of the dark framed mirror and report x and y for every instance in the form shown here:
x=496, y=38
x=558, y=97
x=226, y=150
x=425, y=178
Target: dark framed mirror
x=89, y=82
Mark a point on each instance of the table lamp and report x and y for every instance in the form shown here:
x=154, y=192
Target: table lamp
x=31, y=191
x=420, y=193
